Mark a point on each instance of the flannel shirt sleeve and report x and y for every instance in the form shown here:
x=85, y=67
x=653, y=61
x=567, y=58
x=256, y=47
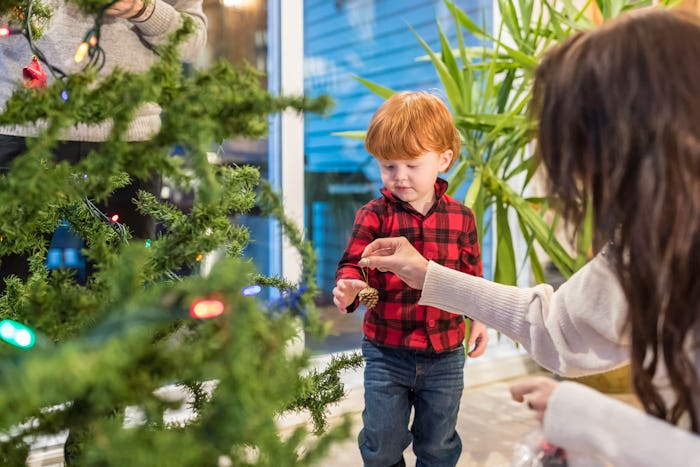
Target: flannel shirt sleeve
x=470, y=262
x=365, y=229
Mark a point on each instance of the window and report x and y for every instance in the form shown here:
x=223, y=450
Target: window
x=370, y=39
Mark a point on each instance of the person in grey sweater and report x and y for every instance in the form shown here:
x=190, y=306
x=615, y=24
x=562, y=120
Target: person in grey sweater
x=128, y=42
x=618, y=110
x=130, y=31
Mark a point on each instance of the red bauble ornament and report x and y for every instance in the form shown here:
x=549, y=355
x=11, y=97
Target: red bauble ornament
x=34, y=76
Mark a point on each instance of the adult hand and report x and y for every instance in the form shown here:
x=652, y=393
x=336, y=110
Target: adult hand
x=397, y=255
x=345, y=291
x=130, y=9
x=536, y=392
x=479, y=338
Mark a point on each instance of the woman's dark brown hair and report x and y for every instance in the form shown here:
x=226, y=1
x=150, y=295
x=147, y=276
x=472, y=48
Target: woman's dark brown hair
x=619, y=131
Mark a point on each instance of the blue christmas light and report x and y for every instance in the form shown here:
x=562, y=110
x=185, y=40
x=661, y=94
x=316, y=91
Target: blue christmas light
x=64, y=95
x=251, y=290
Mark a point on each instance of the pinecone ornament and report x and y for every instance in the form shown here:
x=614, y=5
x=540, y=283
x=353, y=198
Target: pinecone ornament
x=369, y=296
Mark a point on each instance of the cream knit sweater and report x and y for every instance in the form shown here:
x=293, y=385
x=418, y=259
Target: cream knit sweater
x=577, y=330
x=127, y=45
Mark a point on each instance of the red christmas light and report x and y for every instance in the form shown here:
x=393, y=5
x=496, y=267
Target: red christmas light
x=114, y=218
x=203, y=309
x=5, y=32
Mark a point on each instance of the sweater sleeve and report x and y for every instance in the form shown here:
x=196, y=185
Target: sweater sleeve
x=584, y=421
x=167, y=18
x=577, y=330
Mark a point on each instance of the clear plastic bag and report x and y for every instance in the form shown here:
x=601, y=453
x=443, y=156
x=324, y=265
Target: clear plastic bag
x=534, y=451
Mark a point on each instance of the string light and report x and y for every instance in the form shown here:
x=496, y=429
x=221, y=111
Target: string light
x=89, y=47
x=28, y=32
x=114, y=218
x=81, y=52
x=203, y=309
x=5, y=31
x=17, y=334
x=251, y=290
x=148, y=243
x=95, y=211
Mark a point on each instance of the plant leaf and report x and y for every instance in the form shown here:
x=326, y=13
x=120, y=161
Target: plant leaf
x=505, y=272
x=378, y=89
x=358, y=134
x=451, y=87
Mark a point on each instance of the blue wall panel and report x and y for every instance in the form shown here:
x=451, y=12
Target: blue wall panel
x=370, y=39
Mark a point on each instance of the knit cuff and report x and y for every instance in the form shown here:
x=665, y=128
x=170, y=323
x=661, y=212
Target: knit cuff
x=591, y=426
x=160, y=21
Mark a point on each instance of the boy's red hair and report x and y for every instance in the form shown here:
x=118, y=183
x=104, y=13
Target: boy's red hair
x=409, y=124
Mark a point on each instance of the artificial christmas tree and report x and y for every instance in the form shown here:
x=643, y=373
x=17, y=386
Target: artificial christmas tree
x=134, y=325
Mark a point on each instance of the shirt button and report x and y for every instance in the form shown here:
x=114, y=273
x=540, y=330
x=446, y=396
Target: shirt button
x=431, y=323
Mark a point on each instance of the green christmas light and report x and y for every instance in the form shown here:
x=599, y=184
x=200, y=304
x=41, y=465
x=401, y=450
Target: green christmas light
x=17, y=334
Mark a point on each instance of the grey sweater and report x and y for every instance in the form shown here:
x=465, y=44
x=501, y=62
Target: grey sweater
x=577, y=330
x=126, y=45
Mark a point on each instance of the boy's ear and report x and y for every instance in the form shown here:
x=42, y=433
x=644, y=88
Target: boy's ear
x=445, y=159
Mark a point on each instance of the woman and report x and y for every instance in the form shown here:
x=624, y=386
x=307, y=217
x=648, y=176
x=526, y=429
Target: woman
x=619, y=130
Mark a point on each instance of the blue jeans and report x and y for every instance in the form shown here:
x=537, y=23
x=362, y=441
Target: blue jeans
x=395, y=381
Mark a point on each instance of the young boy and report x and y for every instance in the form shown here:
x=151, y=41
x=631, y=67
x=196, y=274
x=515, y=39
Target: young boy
x=414, y=355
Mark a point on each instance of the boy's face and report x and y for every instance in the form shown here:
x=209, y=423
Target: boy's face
x=413, y=180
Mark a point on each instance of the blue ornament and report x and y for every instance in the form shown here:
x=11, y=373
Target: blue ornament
x=289, y=300
x=65, y=251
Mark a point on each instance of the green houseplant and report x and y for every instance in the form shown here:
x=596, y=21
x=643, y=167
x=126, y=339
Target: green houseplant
x=489, y=89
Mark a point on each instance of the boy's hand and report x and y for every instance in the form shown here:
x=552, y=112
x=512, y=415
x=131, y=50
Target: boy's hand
x=345, y=292
x=479, y=338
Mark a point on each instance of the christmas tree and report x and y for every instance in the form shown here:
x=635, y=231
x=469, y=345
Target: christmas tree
x=79, y=348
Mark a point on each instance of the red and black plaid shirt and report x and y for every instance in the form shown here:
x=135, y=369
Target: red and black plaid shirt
x=446, y=235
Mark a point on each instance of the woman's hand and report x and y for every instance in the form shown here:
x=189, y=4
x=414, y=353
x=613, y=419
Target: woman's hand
x=397, y=255
x=345, y=291
x=536, y=392
x=130, y=9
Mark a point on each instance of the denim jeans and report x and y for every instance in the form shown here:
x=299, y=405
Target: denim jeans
x=397, y=380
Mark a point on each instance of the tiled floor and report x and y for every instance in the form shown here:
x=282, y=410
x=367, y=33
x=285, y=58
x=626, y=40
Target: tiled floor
x=490, y=425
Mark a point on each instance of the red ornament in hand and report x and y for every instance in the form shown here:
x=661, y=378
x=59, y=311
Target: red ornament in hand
x=34, y=76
